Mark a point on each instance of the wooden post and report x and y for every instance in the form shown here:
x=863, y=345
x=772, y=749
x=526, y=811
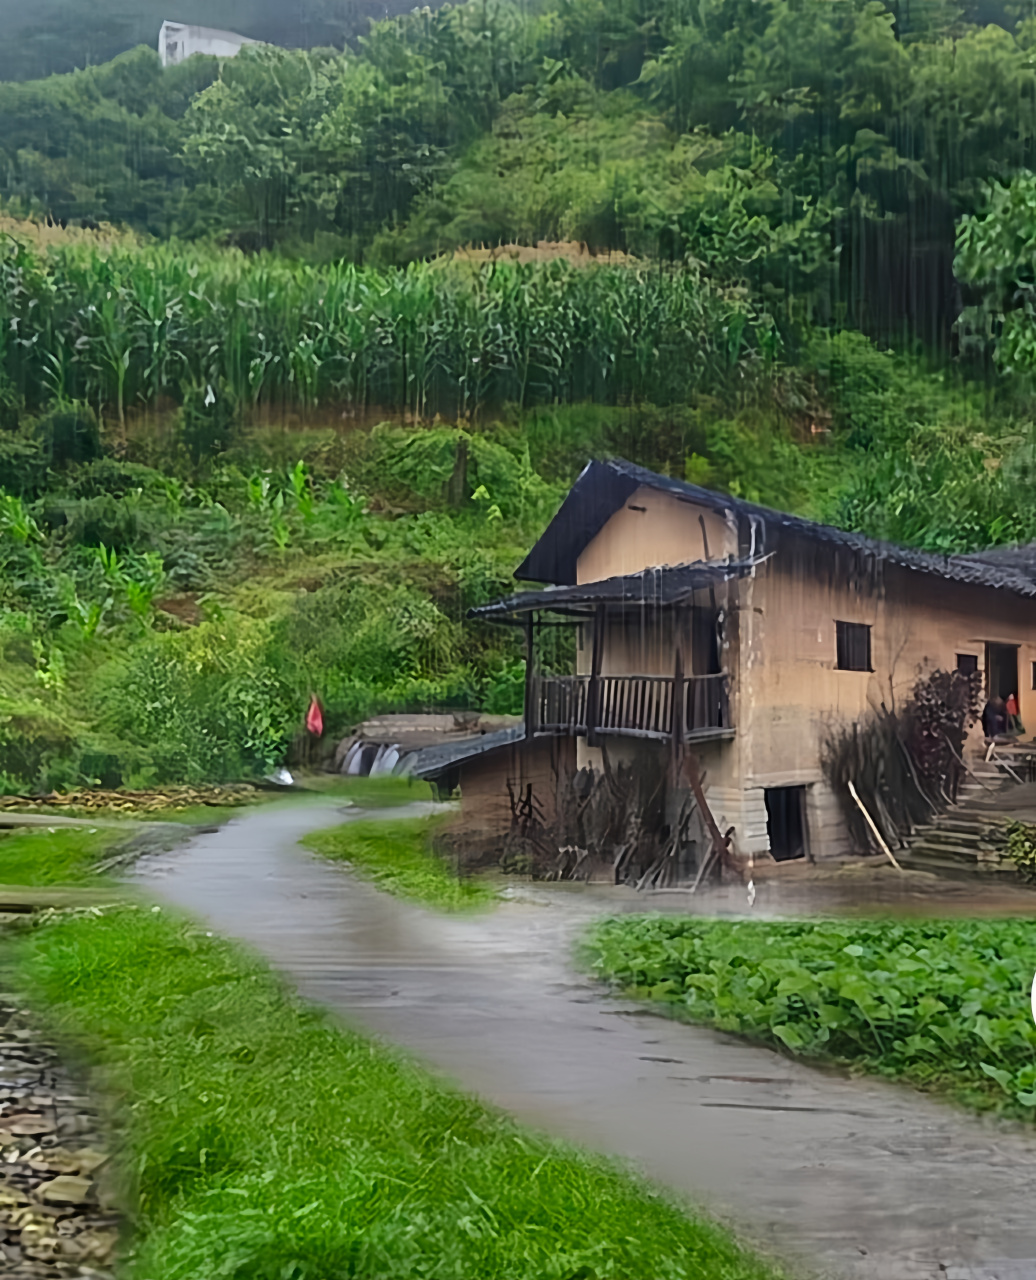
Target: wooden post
x=532, y=684
x=677, y=727
x=593, y=693
x=720, y=851
x=873, y=827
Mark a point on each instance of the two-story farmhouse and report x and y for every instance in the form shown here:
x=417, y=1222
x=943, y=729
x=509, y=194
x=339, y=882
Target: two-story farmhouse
x=750, y=634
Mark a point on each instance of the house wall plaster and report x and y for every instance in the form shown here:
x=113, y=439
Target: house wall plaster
x=665, y=530
x=788, y=695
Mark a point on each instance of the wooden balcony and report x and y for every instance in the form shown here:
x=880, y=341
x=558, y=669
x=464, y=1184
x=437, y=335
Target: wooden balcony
x=632, y=706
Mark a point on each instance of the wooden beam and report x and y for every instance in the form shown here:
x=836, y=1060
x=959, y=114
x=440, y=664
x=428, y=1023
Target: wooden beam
x=593, y=693
x=677, y=727
x=874, y=827
x=720, y=850
x=532, y=689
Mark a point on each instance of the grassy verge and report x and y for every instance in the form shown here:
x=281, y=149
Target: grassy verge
x=398, y=857
x=65, y=855
x=263, y=1142
x=387, y=792
x=942, y=1004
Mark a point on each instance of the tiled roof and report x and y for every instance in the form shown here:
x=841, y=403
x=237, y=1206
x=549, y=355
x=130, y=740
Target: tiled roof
x=432, y=761
x=603, y=487
x=662, y=585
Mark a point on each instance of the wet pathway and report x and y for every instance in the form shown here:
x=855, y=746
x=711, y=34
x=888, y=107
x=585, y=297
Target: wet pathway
x=848, y=1179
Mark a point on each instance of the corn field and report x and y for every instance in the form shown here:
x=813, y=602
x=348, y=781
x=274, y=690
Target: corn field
x=139, y=326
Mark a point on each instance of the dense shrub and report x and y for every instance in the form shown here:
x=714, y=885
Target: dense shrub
x=69, y=434
x=23, y=465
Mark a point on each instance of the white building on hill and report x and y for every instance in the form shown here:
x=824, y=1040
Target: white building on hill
x=177, y=41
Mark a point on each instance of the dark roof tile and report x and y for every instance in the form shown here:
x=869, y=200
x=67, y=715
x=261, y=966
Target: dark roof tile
x=603, y=487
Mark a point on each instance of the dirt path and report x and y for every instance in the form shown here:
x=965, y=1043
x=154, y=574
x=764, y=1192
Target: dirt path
x=842, y=1178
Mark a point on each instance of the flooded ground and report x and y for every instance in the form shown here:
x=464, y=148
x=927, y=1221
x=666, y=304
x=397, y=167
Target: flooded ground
x=841, y=1178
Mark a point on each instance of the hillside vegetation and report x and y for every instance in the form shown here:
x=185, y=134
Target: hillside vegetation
x=269, y=426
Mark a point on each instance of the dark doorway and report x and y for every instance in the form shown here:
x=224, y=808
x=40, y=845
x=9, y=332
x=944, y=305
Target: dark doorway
x=705, y=641
x=786, y=822
x=1001, y=670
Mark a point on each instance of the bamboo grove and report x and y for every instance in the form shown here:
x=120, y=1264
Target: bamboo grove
x=136, y=327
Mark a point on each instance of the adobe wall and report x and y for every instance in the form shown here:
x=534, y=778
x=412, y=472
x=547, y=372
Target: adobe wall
x=483, y=781
x=792, y=697
x=788, y=696
x=789, y=679
x=654, y=529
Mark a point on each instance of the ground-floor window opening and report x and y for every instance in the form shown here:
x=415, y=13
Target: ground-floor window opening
x=786, y=822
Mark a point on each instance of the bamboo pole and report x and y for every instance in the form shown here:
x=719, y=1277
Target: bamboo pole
x=874, y=828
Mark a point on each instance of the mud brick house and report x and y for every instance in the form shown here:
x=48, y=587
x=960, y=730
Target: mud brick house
x=745, y=633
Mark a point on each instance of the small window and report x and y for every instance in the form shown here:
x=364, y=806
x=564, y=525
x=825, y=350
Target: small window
x=854, y=646
x=1034, y=675
x=967, y=664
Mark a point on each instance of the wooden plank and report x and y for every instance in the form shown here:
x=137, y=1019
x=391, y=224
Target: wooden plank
x=531, y=691
x=677, y=723
x=593, y=692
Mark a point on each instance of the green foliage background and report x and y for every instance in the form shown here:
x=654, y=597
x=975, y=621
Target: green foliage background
x=277, y=433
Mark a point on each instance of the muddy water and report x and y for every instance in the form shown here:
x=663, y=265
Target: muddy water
x=841, y=1178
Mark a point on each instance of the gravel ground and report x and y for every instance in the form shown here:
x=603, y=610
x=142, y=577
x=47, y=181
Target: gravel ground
x=57, y=1217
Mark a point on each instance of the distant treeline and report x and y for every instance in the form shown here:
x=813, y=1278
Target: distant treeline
x=817, y=153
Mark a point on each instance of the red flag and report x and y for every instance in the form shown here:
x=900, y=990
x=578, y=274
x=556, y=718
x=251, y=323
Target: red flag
x=315, y=718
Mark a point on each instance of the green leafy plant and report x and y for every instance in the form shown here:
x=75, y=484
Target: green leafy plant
x=69, y=434
x=942, y=1004
x=16, y=522
x=1021, y=848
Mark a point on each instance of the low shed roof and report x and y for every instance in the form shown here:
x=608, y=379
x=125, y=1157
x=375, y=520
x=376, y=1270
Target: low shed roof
x=432, y=762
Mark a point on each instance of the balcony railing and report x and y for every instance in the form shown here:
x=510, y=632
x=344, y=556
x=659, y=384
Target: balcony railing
x=634, y=706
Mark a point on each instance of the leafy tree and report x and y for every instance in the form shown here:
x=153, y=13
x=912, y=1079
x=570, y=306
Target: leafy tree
x=996, y=256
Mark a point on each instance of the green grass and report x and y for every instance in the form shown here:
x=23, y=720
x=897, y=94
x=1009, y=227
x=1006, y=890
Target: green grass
x=66, y=855
x=942, y=1004
x=397, y=856
x=371, y=793
x=262, y=1142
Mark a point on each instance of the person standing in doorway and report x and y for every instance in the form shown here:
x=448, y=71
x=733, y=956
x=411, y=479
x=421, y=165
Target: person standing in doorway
x=994, y=719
